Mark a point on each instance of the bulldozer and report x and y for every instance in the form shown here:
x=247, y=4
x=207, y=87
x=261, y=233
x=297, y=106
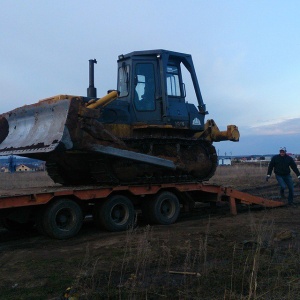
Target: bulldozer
x=144, y=131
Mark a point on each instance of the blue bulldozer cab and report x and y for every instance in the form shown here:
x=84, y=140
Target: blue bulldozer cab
x=151, y=91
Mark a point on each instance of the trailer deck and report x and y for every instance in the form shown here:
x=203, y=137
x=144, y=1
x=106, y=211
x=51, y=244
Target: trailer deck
x=201, y=192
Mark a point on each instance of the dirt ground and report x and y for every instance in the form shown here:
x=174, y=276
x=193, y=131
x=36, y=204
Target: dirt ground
x=207, y=254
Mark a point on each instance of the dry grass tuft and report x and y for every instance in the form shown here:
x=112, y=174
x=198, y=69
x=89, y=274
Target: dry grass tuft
x=24, y=180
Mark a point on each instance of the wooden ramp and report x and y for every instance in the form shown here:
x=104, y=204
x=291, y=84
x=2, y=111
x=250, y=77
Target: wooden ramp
x=216, y=193
x=235, y=196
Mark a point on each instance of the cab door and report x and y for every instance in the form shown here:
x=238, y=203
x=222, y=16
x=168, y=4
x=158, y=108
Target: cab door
x=146, y=102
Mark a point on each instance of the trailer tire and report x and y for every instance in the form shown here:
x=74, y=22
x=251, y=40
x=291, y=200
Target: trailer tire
x=163, y=209
x=62, y=219
x=115, y=214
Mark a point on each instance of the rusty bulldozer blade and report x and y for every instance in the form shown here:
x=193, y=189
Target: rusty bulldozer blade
x=36, y=128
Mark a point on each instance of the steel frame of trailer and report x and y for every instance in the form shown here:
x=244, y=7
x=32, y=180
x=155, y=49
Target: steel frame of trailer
x=201, y=192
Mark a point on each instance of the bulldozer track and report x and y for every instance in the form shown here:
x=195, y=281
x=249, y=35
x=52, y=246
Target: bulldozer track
x=111, y=170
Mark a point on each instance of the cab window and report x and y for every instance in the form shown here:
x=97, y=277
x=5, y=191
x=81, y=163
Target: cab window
x=173, y=85
x=123, y=81
x=144, y=90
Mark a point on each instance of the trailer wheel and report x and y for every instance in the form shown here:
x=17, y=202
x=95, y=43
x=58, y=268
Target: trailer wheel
x=115, y=214
x=62, y=219
x=163, y=209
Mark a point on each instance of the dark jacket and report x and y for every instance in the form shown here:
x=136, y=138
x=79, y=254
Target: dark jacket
x=282, y=165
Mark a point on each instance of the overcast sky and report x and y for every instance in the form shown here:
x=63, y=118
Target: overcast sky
x=246, y=55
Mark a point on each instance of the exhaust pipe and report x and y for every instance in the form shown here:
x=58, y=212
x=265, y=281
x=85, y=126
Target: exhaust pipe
x=91, y=90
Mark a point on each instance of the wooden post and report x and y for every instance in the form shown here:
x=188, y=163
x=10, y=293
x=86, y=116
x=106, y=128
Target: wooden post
x=233, y=210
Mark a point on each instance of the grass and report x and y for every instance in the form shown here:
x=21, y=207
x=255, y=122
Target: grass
x=33, y=282
x=240, y=175
x=151, y=268
x=24, y=180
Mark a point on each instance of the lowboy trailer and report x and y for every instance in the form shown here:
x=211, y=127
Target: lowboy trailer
x=59, y=211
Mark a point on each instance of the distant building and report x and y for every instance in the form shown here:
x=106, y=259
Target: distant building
x=23, y=168
x=225, y=161
x=20, y=164
x=4, y=169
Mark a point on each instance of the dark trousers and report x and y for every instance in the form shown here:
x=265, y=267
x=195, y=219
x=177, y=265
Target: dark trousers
x=286, y=181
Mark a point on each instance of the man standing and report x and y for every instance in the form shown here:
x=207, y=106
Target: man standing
x=281, y=163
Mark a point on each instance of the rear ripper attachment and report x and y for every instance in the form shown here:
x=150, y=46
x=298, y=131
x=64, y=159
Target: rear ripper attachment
x=144, y=131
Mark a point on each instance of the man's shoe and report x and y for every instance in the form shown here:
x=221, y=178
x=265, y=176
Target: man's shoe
x=292, y=205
